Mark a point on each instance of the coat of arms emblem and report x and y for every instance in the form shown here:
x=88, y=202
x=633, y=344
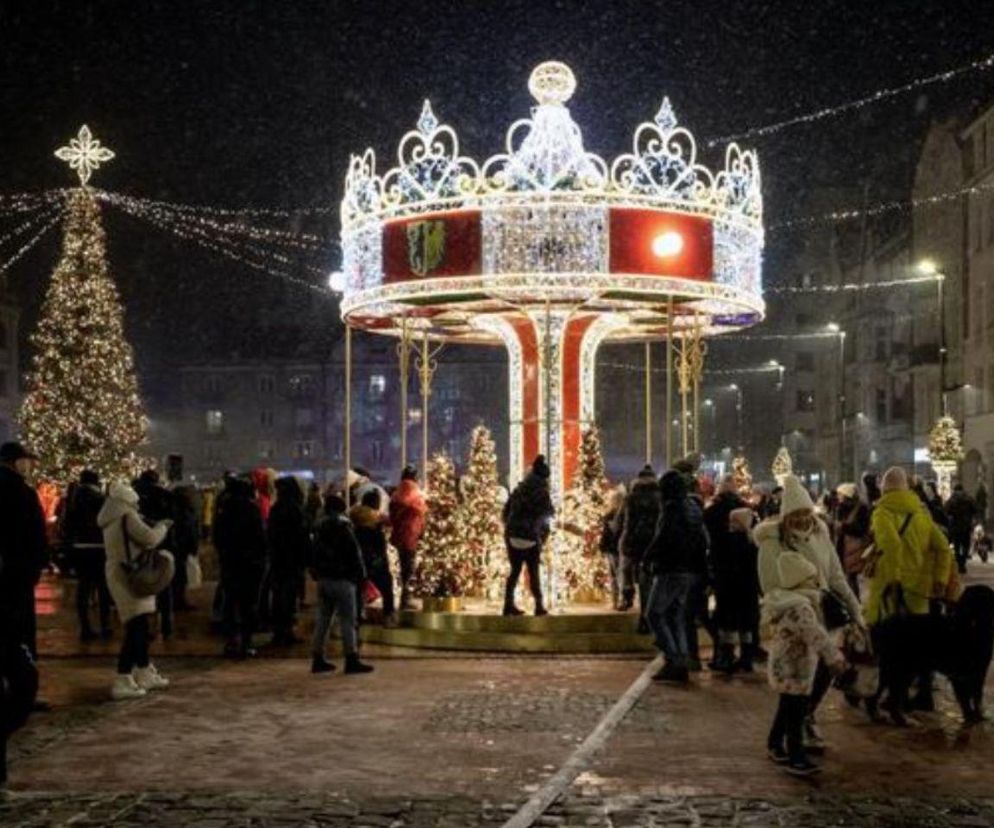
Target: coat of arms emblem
x=425, y=245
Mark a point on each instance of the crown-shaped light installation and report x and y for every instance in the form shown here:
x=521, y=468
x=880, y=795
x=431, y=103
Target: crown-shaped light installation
x=549, y=249
x=545, y=208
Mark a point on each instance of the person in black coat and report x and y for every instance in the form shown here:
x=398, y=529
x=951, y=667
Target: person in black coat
x=23, y=551
x=155, y=504
x=24, y=544
x=289, y=548
x=527, y=515
x=733, y=571
x=637, y=528
x=84, y=540
x=337, y=566
x=677, y=559
x=185, y=539
x=240, y=539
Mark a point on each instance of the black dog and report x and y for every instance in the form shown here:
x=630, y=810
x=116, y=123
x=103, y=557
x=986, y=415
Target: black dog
x=959, y=645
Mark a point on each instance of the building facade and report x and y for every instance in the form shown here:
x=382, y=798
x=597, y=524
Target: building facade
x=10, y=392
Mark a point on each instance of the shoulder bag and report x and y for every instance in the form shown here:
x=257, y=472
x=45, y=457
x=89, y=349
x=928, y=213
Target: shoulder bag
x=149, y=571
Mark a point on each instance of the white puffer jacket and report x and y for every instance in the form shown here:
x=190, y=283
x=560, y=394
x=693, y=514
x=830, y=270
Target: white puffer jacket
x=120, y=508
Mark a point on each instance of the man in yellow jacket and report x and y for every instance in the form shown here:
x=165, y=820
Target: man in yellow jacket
x=914, y=562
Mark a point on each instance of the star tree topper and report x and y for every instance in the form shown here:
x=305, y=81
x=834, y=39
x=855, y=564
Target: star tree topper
x=84, y=154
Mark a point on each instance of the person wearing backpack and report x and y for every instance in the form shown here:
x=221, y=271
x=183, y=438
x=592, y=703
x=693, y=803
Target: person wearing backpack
x=527, y=515
x=126, y=535
x=637, y=527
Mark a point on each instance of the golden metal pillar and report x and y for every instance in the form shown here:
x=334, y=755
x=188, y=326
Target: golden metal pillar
x=669, y=383
x=348, y=413
x=648, y=403
x=685, y=380
x=404, y=366
x=425, y=365
x=698, y=351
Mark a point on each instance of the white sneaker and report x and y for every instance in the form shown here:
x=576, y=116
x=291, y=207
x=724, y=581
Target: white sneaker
x=148, y=678
x=125, y=688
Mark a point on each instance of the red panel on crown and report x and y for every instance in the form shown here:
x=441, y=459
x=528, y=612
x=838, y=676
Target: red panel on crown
x=432, y=245
x=662, y=244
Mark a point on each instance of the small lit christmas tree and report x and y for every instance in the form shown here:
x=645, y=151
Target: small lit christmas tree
x=444, y=565
x=741, y=475
x=83, y=409
x=945, y=449
x=481, y=516
x=580, y=568
x=945, y=444
x=782, y=465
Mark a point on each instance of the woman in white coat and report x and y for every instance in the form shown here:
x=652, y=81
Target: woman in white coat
x=136, y=675
x=798, y=529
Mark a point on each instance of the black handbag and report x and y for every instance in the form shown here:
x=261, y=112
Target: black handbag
x=834, y=612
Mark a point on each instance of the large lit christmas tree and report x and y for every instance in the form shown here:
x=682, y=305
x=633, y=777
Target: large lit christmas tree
x=580, y=567
x=445, y=568
x=481, y=516
x=83, y=409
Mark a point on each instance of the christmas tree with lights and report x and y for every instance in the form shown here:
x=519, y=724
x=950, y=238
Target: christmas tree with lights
x=782, y=465
x=945, y=445
x=481, y=515
x=580, y=567
x=741, y=475
x=445, y=567
x=83, y=408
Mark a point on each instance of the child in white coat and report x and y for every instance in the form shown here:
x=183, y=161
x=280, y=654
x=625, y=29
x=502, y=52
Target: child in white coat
x=799, y=640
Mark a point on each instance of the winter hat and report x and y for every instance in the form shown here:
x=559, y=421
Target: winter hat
x=647, y=471
x=673, y=485
x=794, y=569
x=121, y=490
x=540, y=468
x=846, y=490
x=894, y=479
x=795, y=497
x=409, y=473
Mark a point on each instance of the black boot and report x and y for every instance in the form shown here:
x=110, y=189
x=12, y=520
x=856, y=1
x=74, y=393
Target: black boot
x=724, y=659
x=512, y=610
x=319, y=664
x=353, y=665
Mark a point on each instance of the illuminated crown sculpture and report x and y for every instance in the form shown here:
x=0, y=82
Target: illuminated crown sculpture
x=550, y=250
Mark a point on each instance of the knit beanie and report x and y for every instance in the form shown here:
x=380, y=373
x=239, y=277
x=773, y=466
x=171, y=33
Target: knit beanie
x=795, y=496
x=794, y=569
x=647, y=471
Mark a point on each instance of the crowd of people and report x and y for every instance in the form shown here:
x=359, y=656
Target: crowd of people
x=733, y=561
x=134, y=546
x=688, y=554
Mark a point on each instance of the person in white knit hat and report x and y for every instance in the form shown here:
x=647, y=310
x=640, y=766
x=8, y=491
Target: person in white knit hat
x=798, y=529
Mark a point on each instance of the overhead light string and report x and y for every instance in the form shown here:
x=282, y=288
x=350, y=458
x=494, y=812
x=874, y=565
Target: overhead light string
x=979, y=65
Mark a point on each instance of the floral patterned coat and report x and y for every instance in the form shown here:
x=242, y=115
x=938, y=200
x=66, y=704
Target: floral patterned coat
x=799, y=640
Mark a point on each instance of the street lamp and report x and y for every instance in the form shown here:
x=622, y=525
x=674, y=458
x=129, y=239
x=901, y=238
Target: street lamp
x=738, y=413
x=709, y=408
x=927, y=267
x=836, y=328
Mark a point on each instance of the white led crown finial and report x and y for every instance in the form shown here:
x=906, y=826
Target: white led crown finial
x=84, y=154
x=552, y=82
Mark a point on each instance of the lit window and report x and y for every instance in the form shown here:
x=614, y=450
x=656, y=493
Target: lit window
x=414, y=416
x=301, y=384
x=303, y=449
x=215, y=422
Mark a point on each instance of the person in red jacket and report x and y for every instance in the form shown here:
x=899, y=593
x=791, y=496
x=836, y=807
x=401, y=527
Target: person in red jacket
x=407, y=522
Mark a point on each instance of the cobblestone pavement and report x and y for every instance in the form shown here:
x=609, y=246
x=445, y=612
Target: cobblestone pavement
x=462, y=742
x=646, y=810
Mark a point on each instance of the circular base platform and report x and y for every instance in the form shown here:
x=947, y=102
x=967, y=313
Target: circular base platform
x=579, y=630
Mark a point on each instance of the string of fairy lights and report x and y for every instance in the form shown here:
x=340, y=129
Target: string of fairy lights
x=239, y=234
x=880, y=95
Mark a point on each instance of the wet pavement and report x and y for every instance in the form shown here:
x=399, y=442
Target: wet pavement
x=455, y=741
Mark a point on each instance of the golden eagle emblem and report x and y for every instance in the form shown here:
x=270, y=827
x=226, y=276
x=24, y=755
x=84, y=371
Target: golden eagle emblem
x=425, y=245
